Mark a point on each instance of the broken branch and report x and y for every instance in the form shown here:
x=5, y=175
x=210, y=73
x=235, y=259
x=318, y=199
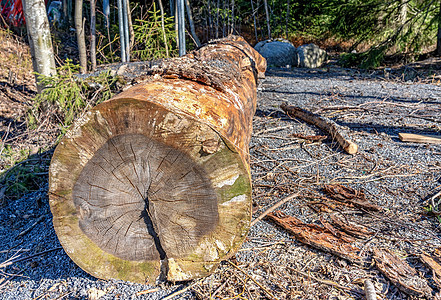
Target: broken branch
x=324, y=124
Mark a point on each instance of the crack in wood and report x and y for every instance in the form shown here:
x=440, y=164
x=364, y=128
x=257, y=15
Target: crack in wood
x=142, y=200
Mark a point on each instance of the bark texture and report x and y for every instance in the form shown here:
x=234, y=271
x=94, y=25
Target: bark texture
x=155, y=183
x=81, y=37
x=39, y=35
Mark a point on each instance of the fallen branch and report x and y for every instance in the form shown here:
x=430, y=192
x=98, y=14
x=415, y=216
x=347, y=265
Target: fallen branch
x=149, y=291
x=27, y=230
x=272, y=208
x=13, y=261
x=311, y=138
x=323, y=123
x=171, y=296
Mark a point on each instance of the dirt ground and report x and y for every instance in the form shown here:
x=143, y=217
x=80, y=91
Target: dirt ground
x=350, y=218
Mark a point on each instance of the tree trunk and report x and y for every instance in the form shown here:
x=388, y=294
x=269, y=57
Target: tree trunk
x=217, y=18
x=254, y=21
x=122, y=38
x=39, y=36
x=233, y=23
x=210, y=22
x=126, y=28
x=224, y=18
x=81, y=39
x=265, y=3
x=180, y=8
x=155, y=182
x=287, y=19
x=130, y=24
x=191, y=23
x=438, y=36
x=93, y=34
x=164, y=35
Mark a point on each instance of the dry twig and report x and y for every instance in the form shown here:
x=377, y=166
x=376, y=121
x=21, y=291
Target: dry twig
x=327, y=282
x=369, y=290
x=171, y=296
x=27, y=230
x=13, y=261
x=253, y=280
x=274, y=207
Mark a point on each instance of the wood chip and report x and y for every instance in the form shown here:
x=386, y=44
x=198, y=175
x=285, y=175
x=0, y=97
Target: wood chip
x=401, y=273
x=348, y=195
x=420, y=138
x=317, y=237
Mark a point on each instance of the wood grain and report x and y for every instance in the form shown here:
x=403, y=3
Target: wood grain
x=419, y=138
x=155, y=183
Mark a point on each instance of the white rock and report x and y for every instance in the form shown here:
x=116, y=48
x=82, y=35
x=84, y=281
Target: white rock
x=278, y=53
x=310, y=56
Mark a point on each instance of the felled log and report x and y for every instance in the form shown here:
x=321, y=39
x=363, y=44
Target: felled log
x=155, y=182
x=325, y=124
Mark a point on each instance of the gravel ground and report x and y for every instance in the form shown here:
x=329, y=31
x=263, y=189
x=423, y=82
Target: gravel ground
x=399, y=177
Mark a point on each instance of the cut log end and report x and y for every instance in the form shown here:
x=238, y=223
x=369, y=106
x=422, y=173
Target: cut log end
x=127, y=195
x=155, y=183
x=351, y=147
x=132, y=188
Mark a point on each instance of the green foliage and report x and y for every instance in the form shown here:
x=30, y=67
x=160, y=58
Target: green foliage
x=10, y=156
x=365, y=60
x=66, y=96
x=23, y=174
x=431, y=211
x=149, y=38
x=389, y=27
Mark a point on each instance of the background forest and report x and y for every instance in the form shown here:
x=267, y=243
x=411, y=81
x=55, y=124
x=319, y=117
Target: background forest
x=369, y=31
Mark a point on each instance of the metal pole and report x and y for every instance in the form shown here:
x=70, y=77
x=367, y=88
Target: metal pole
x=181, y=26
x=121, y=31
x=126, y=29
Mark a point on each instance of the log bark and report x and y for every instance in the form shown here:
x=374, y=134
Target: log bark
x=155, y=182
